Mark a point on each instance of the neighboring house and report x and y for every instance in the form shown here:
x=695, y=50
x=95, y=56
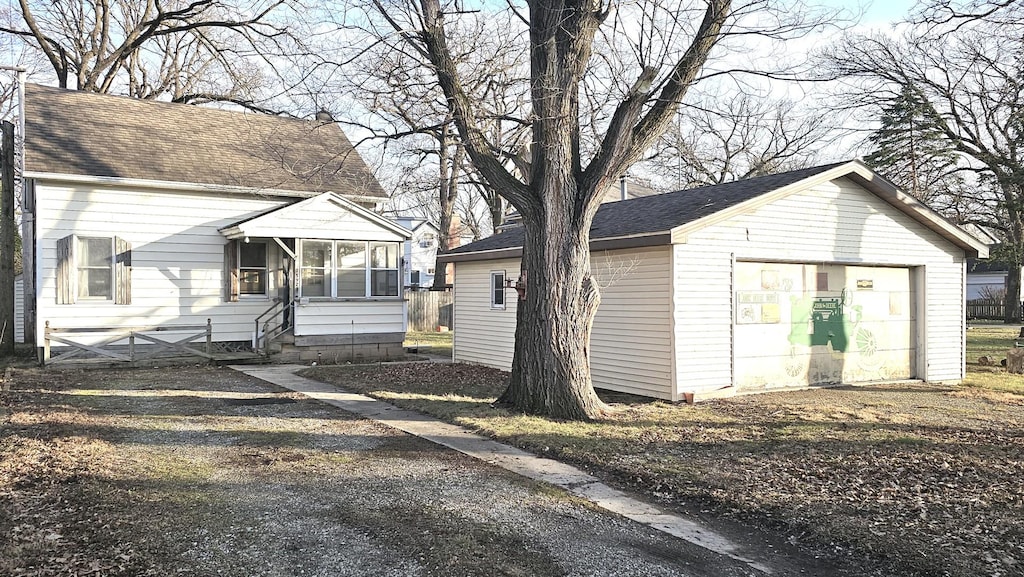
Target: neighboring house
x=159, y=215
x=816, y=276
x=985, y=279
x=419, y=253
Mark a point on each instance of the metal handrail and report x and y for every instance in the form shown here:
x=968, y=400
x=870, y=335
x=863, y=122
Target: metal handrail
x=262, y=341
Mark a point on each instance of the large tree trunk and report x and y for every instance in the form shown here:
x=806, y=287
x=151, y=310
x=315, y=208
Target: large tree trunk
x=450, y=167
x=551, y=366
x=1011, y=301
x=1015, y=232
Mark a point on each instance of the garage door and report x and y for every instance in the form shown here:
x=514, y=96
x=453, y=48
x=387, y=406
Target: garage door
x=811, y=324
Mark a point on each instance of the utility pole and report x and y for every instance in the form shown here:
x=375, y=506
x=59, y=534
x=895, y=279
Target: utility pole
x=7, y=169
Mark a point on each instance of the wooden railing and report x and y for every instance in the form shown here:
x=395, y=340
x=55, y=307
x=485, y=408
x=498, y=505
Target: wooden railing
x=103, y=343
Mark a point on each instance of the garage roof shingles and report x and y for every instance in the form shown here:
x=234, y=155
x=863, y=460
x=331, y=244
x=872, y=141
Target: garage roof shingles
x=81, y=133
x=662, y=212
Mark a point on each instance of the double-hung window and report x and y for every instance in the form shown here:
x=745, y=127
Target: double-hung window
x=349, y=269
x=94, y=268
x=316, y=268
x=252, y=269
x=383, y=269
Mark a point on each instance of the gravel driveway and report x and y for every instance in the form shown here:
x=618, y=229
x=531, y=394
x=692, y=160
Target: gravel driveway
x=203, y=471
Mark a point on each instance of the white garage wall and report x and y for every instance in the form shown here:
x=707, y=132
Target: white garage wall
x=836, y=222
x=484, y=335
x=631, y=343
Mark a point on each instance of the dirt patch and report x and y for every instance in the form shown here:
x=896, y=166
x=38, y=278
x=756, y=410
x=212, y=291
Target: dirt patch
x=205, y=471
x=905, y=479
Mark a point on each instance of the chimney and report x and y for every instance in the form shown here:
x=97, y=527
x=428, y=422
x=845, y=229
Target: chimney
x=623, y=188
x=454, y=232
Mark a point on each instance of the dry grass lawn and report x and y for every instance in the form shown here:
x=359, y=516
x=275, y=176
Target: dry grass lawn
x=915, y=479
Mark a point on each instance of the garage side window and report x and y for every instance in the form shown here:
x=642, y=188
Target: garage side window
x=498, y=289
x=93, y=269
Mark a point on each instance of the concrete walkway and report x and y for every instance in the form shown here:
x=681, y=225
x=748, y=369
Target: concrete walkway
x=573, y=480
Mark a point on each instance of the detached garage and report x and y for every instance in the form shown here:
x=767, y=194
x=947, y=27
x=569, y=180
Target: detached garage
x=818, y=276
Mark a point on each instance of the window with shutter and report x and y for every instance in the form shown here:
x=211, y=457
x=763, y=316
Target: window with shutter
x=231, y=284
x=93, y=268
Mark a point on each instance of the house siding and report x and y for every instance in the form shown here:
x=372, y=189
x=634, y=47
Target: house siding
x=631, y=342
x=484, y=335
x=19, y=309
x=177, y=256
x=346, y=318
x=835, y=222
x=319, y=218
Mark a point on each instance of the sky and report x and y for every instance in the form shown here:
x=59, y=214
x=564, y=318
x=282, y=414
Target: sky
x=880, y=13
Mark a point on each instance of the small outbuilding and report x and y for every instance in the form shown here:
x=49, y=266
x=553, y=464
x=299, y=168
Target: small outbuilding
x=818, y=276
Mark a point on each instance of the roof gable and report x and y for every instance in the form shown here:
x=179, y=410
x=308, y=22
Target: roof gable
x=70, y=132
x=326, y=216
x=668, y=217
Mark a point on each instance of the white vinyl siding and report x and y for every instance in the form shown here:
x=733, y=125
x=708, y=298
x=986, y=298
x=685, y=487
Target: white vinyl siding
x=19, y=310
x=177, y=254
x=321, y=219
x=631, y=344
x=484, y=335
x=347, y=318
x=836, y=222
x=631, y=348
x=177, y=257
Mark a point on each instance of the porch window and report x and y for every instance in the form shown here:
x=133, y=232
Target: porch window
x=316, y=268
x=384, y=269
x=349, y=269
x=252, y=269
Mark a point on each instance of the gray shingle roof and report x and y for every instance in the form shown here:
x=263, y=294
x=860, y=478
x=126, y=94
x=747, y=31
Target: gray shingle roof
x=662, y=212
x=81, y=133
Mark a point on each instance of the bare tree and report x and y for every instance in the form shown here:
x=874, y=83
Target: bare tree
x=563, y=178
x=942, y=16
x=405, y=105
x=192, y=51
x=967, y=80
x=731, y=138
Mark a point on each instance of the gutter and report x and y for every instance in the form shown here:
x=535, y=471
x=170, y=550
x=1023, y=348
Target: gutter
x=662, y=238
x=188, y=186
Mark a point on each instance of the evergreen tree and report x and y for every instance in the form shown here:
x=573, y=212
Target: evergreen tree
x=912, y=151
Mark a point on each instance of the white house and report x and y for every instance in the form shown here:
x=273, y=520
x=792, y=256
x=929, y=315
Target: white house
x=141, y=214
x=419, y=252
x=823, y=275
x=986, y=279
